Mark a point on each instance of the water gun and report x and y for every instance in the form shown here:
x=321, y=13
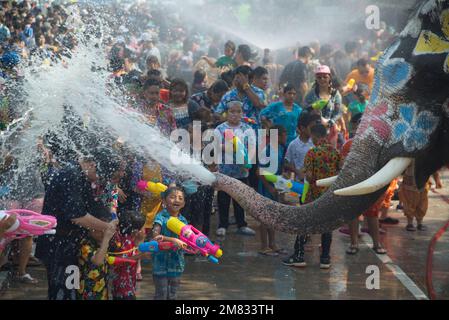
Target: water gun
x=195, y=239
x=286, y=185
x=118, y=260
x=249, y=120
x=320, y=104
x=239, y=148
x=350, y=84
x=154, y=246
x=157, y=188
x=28, y=223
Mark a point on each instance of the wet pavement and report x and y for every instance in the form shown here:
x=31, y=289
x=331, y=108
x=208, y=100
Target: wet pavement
x=245, y=274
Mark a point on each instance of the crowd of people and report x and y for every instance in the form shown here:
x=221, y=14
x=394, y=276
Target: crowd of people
x=175, y=76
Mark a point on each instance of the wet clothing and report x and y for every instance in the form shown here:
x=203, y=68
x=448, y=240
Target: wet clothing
x=234, y=170
x=333, y=110
x=124, y=275
x=68, y=196
x=249, y=110
x=93, y=278
x=225, y=61
x=168, y=263
x=279, y=115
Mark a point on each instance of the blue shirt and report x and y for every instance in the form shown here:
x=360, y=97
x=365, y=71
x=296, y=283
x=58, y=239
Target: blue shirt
x=233, y=169
x=168, y=263
x=249, y=110
x=279, y=115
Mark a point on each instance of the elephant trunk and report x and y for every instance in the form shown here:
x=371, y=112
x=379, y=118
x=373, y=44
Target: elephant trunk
x=326, y=213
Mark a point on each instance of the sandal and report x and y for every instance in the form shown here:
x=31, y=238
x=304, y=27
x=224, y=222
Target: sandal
x=27, y=278
x=410, y=227
x=352, y=249
x=281, y=251
x=269, y=252
x=379, y=250
x=139, y=277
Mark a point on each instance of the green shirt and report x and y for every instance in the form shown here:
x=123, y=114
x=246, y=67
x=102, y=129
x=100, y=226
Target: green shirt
x=356, y=107
x=225, y=61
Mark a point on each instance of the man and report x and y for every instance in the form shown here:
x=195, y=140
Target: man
x=243, y=55
x=296, y=74
x=363, y=76
x=250, y=96
x=70, y=198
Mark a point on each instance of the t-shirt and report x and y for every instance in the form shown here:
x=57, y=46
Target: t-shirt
x=295, y=73
x=124, y=275
x=296, y=152
x=356, y=107
x=233, y=169
x=249, y=110
x=279, y=115
x=168, y=263
x=322, y=161
x=363, y=81
x=225, y=61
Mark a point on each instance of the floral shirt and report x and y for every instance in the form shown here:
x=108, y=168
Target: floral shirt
x=93, y=278
x=249, y=110
x=168, y=263
x=322, y=161
x=110, y=197
x=124, y=276
x=165, y=119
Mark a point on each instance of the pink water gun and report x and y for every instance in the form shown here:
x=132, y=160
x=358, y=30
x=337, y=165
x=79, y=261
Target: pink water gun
x=195, y=239
x=28, y=223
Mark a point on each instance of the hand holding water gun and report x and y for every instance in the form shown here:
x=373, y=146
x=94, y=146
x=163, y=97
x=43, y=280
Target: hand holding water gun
x=155, y=246
x=117, y=260
x=157, y=188
x=28, y=223
x=195, y=239
x=320, y=104
x=239, y=148
x=150, y=186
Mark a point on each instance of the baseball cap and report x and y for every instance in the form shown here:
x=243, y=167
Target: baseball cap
x=322, y=69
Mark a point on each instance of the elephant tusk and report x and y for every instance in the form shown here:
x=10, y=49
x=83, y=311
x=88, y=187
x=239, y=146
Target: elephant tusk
x=326, y=182
x=380, y=179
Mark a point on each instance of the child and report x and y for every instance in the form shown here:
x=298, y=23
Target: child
x=414, y=200
x=125, y=275
x=157, y=113
x=294, y=162
x=93, y=265
x=238, y=171
x=322, y=161
x=267, y=189
x=168, y=266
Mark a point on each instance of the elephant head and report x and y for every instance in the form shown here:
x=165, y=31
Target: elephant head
x=407, y=118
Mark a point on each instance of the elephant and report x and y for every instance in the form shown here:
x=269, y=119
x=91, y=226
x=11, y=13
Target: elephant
x=407, y=118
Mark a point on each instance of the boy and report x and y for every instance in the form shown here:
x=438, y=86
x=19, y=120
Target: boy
x=234, y=123
x=294, y=162
x=322, y=161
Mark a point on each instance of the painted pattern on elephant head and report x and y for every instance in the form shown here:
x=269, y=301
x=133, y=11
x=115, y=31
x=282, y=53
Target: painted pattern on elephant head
x=393, y=116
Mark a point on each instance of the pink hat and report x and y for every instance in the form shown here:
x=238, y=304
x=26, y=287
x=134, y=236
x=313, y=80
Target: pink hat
x=322, y=69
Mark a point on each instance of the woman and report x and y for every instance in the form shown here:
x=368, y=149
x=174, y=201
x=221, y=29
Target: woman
x=179, y=93
x=325, y=100
x=284, y=113
x=199, y=81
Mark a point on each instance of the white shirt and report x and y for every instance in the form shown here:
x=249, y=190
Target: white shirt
x=296, y=152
